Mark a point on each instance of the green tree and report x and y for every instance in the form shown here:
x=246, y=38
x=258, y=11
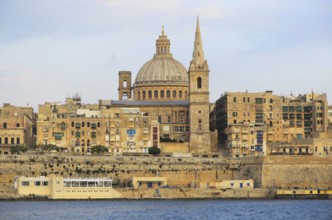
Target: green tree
x=154, y=151
x=99, y=149
x=49, y=147
x=17, y=149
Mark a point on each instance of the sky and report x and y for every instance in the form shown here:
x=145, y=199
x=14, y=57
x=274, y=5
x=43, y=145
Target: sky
x=50, y=50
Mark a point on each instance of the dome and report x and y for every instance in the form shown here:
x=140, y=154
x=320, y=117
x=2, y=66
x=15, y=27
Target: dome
x=162, y=70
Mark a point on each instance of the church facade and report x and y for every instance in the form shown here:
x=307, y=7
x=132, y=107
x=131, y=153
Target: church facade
x=165, y=106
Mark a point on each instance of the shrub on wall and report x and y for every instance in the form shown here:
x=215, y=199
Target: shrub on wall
x=154, y=151
x=98, y=149
x=17, y=149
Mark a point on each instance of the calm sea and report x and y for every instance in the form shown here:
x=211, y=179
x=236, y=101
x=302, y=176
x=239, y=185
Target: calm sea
x=170, y=209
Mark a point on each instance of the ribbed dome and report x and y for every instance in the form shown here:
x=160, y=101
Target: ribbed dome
x=162, y=70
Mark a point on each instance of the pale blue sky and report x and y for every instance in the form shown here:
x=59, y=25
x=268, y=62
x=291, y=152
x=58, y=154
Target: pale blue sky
x=49, y=49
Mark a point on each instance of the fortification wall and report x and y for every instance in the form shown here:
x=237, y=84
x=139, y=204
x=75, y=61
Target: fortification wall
x=297, y=171
x=267, y=172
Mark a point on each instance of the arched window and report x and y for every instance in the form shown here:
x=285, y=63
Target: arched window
x=180, y=94
x=185, y=94
x=144, y=95
x=168, y=94
x=124, y=84
x=155, y=94
x=174, y=94
x=150, y=94
x=199, y=83
x=162, y=94
x=138, y=95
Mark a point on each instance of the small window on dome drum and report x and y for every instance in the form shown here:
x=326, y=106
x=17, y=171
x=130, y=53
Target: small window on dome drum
x=168, y=94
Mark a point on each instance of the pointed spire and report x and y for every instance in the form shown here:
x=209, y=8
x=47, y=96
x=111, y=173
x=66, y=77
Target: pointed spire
x=197, y=25
x=198, y=54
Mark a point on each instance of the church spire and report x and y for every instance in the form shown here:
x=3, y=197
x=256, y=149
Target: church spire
x=198, y=54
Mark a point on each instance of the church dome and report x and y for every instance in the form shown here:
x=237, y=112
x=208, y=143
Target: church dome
x=162, y=69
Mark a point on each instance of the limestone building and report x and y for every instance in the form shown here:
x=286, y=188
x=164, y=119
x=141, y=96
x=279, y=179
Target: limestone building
x=165, y=103
x=76, y=127
x=17, y=127
x=275, y=118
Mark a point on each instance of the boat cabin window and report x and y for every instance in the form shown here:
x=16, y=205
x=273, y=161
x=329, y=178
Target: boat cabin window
x=25, y=183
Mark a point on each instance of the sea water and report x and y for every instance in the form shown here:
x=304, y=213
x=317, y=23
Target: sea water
x=167, y=209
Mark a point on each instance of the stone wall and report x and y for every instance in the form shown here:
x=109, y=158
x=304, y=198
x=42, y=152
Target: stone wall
x=267, y=172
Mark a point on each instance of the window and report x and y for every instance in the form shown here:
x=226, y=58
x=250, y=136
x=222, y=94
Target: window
x=88, y=124
x=180, y=94
x=45, y=183
x=199, y=83
x=18, y=125
x=6, y=140
x=98, y=124
x=37, y=183
x=199, y=124
x=168, y=94
x=259, y=100
x=0, y=140
x=169, y=119
x=150, y=94
x=82, y=124
x=155, y=94
x=25, y=183
x=162, y=94
x=234, y=114
x=248, y=184
x=5, y=125
x=244, y=99
x=174, y=94
x=185, y=94
x=144, y=95
x=139, y=95
x=17, y=140
x=159, y=119
x=248, y=99
x=12, y=141
x=234, y=99
x=124, y=84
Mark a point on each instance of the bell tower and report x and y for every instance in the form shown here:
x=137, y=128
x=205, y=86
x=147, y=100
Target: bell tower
x=199, y=98
x=124, y=85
